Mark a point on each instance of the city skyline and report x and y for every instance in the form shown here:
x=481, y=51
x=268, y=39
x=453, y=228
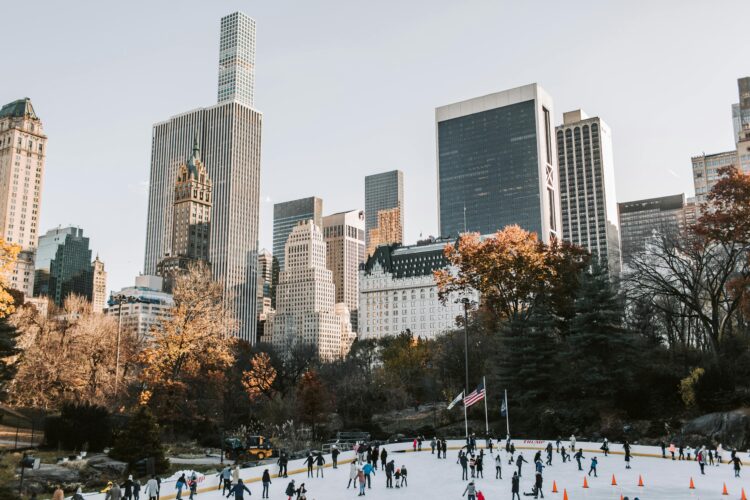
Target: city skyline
x=108, y=144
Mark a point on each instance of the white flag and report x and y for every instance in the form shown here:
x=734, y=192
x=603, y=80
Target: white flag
x=458, y=399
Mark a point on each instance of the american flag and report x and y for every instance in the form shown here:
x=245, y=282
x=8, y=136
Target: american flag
x=475, y=396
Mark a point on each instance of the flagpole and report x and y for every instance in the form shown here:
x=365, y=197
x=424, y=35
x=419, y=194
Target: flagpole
x=486, y=420
x=466, y=422
x=507, y=413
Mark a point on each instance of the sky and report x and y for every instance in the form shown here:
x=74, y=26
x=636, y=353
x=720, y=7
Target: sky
x=349, y=88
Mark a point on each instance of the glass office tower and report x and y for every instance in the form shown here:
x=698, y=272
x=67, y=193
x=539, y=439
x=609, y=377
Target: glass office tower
x=497, y=164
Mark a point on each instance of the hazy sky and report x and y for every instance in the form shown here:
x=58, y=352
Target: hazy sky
x=349, y=88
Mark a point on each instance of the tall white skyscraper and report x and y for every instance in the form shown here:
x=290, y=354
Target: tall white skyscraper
x=306, y=309
x=237, y=59
x=344, y=234
x=588, y=206
x=229, y=134
x=23, y=149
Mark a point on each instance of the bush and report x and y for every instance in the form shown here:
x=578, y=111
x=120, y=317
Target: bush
x=79, y=427
x=141, y=439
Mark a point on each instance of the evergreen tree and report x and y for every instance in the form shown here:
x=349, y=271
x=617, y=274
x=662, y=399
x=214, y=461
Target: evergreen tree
x=139, y=440
x=526, y=360
x=600, y=349
x=8, y=350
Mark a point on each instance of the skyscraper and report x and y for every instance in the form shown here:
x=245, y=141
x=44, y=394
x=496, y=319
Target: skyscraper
x=588, y=206
x=384, y=209
x=23, y=149
x=306, y=311
x=99, y=286
x=344, y=234
x=706, y=171
x=741, y=109
x=237, y=59
x=286, y=215
x=497, y=164
x=229, y=134
x=265, y=268
x=71, y=270
x=640, y=219
x=191, y=219
x=45, y=252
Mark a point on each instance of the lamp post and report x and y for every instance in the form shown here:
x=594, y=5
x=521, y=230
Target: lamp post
x=120, y=299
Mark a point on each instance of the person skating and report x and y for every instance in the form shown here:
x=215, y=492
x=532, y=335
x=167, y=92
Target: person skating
x=688, y=452
x=420, y=439
x=464, y=465
x=605, y=447
x=404, y=483
x=368, y=469
x=445, y=449
x=663, y=447
x=489, y=444
x=498, y=467
x=519, y=463
x=375, y=456
x=180, y=485
x=383, y=457
x=737, y=465
x=682, y=452
x=479, y=464
x=432, y=447
x=225, y=479
x=515, y=487
x=361, y=479
x=301, y=492
x=549, y=453
x=557, y=444
x=702, y=461
x=193, y=483
x=470, y=492
x=290, y=490
x=266, y=480
x=114, y=493
x=473, y=466
x=390, y=469
x=710, y=456
x=672, y=449
x=572, y=442
x=238, y=490
x=536, y=490
x=335, y=456
x=594, y=463
x=512, y=451
x=282, y=463
x=579, y=456
x=310, y=461
x=78, y=494
x=719, y=453
x=127, y=488
x=626, y=447
x=151, y=490
x=397, y=476
x=353, y=473
x=320, y=462
x=414, y=444
x=564, y=454
x=538, y=456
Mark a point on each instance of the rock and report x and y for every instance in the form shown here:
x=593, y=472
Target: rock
x=52, y=474
x=731, y=429
x=411, y=420
x=109, y=466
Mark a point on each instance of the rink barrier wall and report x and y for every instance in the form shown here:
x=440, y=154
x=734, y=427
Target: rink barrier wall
x=303, y=470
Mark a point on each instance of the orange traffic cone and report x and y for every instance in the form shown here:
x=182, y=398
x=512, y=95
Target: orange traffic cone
x=621, y=497
x=585, y=483
x=565, y=494
x=725, y=492
x=554, y=486
x=614, y=481
x=692, y=484
x=640, y=481
x=743, y=497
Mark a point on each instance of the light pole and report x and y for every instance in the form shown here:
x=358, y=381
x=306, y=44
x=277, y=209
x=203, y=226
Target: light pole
x=466, y=302
x=119, y=299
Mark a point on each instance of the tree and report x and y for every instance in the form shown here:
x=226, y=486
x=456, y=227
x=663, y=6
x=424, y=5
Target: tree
x=600, y=349
x=8, y=258
x=313, y=401
x=9, y=350
x=141, y=439
x=68, y=356
x=258, y=380
x=185, y=362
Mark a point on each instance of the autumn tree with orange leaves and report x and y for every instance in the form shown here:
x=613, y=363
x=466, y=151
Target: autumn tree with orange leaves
x=510, y=270
x=185, y=362
x=258, y=380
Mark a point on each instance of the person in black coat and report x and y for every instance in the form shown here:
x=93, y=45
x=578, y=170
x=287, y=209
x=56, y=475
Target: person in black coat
x=335, y=457
x=515, y=486
x=519, y=463
x=383, y=457
x=310, y=461
x=266, y=480
x=445, y=449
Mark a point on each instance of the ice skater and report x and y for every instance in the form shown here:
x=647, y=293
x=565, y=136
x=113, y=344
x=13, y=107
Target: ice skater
x=519, y=463
x=579, y=456
x=498, y=467
x=515, y=487
x=737, y=465
x=594, y=463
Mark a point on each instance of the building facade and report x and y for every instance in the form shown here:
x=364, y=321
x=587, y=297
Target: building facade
x=398, y=292
x=23, y=149
x=384, y=209
x=230, y=136
x=237, y=60
x=344, y=235
x=265, y=269
x=588, y=206
x=141, y=308
x=741, y=109
x=306, y=310
x=641, y=219
x=99, y=286
x=71, y=270
x=46, y=250
x=287, y=215
x=706, y=171
x=497, y=164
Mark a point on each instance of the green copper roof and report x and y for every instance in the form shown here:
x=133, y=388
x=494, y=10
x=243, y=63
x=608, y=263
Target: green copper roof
x=19, y=108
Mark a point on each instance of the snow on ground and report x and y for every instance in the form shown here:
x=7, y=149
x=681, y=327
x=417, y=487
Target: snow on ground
x=434, y=479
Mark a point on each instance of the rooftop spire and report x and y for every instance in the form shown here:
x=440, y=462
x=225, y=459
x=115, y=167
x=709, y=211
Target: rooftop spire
x=196, y=148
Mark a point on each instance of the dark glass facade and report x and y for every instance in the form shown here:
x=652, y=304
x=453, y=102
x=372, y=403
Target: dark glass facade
x=488, y=171
x=70, y=270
